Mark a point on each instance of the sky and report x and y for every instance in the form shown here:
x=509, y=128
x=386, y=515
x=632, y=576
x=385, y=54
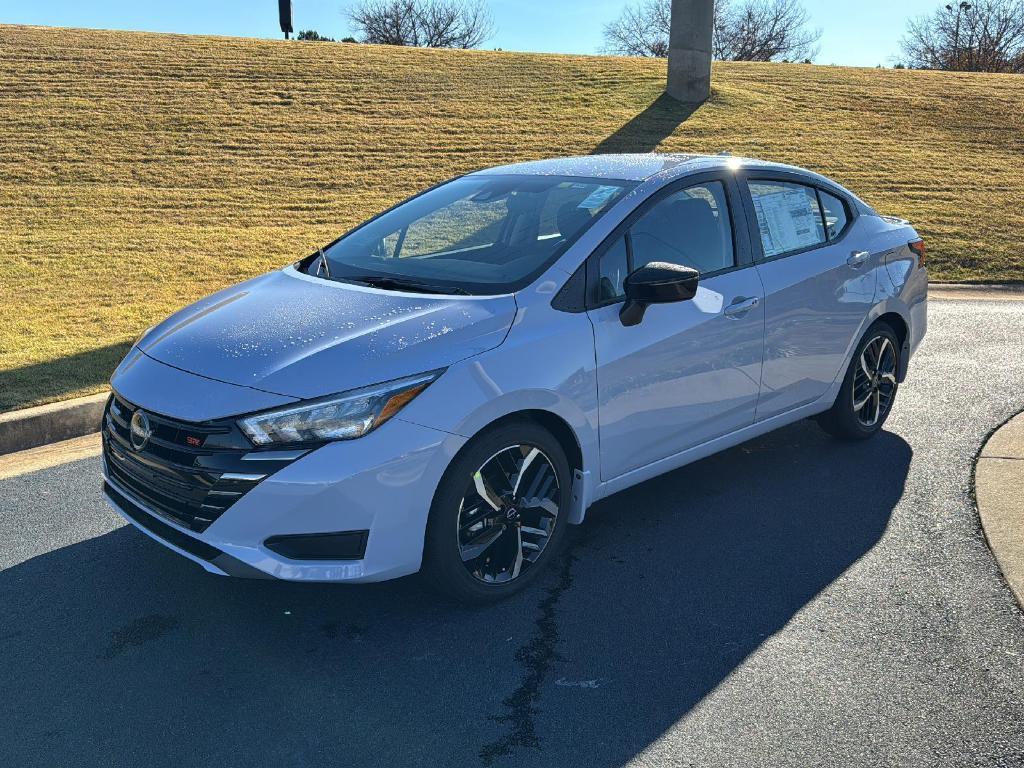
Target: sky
x=862, y=33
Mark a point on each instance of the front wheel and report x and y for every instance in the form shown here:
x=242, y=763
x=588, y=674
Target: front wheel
x=499, y=514
x=869, y=388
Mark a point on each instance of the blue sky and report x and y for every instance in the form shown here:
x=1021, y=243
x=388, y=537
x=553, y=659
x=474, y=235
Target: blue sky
x=862, y=33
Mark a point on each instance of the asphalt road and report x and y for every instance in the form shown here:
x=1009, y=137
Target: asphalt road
x=794, y=601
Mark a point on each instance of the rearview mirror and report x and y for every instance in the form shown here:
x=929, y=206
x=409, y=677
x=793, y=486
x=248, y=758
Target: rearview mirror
x=656, y=283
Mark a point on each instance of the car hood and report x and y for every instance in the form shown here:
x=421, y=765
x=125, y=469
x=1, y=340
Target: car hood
x=295, y=335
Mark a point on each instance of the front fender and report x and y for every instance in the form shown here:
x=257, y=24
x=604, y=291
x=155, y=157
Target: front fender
x=546, y=364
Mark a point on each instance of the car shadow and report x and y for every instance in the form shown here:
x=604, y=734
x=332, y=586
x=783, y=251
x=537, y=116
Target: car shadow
x=114, y=648
x=647, y=129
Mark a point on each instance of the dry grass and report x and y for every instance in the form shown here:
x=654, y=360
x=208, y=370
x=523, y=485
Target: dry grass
x=140, y=171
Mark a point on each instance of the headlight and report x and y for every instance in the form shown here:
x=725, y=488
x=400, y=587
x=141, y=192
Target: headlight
x=339, y=417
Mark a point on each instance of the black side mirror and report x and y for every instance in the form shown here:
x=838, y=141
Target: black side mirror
x=656, y=283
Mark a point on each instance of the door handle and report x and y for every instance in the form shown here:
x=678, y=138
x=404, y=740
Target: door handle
x=740, y=307
x=857, y=258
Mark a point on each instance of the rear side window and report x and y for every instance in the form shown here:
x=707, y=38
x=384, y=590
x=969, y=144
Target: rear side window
x=836, y=217
x=788, y=217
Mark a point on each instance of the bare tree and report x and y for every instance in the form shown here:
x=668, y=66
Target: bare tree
x=641, y=30
x=764, y=30
x=977, y=36
x=423, y=23
x=745, y=30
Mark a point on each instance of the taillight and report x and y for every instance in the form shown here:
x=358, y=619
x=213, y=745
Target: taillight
x=918, y=247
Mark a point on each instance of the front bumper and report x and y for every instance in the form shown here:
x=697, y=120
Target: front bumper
x=381, y=484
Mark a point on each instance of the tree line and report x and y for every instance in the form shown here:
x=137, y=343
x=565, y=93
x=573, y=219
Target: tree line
x=975, y=36
x=978, y=36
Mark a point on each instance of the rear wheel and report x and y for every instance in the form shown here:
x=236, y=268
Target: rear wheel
x=869, y=388
x=498, y=515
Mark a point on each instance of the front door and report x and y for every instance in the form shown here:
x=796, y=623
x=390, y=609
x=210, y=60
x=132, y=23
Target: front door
x=690, y=371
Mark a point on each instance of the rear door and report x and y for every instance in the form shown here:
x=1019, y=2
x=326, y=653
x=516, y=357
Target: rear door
x=818, y=285
x=690, y=371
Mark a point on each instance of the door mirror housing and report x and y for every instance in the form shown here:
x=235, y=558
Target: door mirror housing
x=656, y=283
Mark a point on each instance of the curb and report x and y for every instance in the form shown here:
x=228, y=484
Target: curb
x=968, y=291
x=1008, y=287
x=999, y=493
x=32, y=427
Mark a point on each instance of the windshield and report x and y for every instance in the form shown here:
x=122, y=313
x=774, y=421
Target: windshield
x=477, y=234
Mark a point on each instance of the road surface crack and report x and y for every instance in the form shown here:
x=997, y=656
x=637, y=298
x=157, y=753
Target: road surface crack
x=536, y=656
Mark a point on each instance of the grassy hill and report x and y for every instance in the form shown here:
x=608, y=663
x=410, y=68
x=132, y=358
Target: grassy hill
x=139, y=172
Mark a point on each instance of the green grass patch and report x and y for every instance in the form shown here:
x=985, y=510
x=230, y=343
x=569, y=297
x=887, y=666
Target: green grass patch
x=139, y=172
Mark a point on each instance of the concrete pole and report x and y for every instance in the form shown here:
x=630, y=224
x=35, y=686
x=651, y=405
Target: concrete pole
x=689, y=50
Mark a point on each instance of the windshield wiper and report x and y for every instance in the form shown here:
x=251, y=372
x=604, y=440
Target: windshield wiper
x=401, y=284
x=323, y=266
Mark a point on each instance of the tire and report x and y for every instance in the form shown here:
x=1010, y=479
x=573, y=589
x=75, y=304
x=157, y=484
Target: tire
x=869, y=382
x=489, y=538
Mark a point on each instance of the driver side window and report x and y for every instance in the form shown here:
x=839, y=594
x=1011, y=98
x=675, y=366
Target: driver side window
x=691, y=227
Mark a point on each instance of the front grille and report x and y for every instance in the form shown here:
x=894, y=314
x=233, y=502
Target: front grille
x=161, y=529
x=184, y=471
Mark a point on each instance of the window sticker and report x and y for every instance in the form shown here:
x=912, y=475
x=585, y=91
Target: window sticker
x=597, y=198
x=787, y=221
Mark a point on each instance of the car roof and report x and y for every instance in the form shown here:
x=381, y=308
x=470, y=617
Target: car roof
x=633, y=167
x=641, y=167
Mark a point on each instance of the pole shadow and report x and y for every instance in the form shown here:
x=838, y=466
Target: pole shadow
x=645, y=131
x=118, y=648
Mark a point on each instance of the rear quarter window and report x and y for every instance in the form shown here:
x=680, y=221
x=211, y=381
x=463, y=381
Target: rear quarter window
x=837, y=217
